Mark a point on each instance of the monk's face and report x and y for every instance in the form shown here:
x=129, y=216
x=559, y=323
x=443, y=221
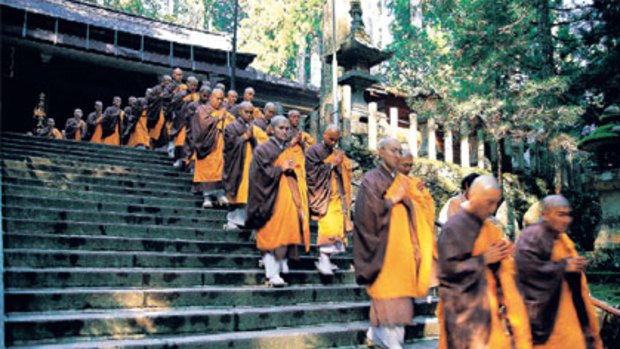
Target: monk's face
x=293, y=118
x=98, y=106
x=232, y=97
x=280, y=131
x=248, y=95
x=192, y=85
x=51, y=122
x=78, y=113
x=558, y=218
x=177, y=75
x=217, y=97
x=269, y=111
x=390, y=155
x=330, y=138
x=117, y=101
x=484, y=202
x=246, y=113
x=166, y=81
x=204, y=96
x=405, y=165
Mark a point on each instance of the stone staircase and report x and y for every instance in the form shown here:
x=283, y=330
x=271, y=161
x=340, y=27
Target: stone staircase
x=106, y=247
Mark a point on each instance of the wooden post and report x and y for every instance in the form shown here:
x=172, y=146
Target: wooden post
x=448, y=147
x=393, y=122
x=413, y=135
x=346, y=117
x=465, y=148
x=432, y=148
x=372, y=126
x=480, y=148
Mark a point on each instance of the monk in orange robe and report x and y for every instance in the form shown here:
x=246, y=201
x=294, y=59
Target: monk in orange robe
x=248, y=96
x=231, y=101
x=75, y=127
x=111, y=123
x=50, y=131
x=550, y=275
x=158, y=100
x=329, y=175
x=93, y=124
x=208, y=128
x=240, y=139
x=269, y=111
x=137, y=130
x=386, y=248
x=180, y=118
x=480, y=305
x=275, y=207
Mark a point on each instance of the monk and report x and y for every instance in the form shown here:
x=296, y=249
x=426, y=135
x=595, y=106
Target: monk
x=128, y=113
x=177, y=79
x=231, y=101
x=158, y=100
x=181, y=119
x=328, y=175
x=453, y=205
x=111, y=123
x=93, y=124
x=220, y=86
x=75, y=127
x=204, y=94
x=137, y=132
x=386, y=248
x=208, y=127
x=269, y=111
x=480, y=305
x=305, y=139
x=275, y=207
x=424, y=207
x=240, y=139
x=248, y=96
x=550, y=275
x=50, y=131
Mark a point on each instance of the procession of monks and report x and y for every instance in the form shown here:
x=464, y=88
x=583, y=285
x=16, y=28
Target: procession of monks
x=274, y=178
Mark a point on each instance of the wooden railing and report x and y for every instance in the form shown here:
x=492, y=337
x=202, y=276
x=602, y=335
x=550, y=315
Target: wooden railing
x=605, y=307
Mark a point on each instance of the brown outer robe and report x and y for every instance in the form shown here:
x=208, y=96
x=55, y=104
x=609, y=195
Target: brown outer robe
x=234, y=154
x=372, y=224
x=540, y=280
x=74, y=129
x=319, y=177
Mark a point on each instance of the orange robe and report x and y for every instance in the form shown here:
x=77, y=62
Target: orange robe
x=155, y=132
x=283, y=227
x=140, y=135
x=209, y=169
x=516, y=313
x=56, y=134
x=333, y=226
x=115, y=138
x=567, y=328
x=257, y=114
x=242, y=192
x=96, y=138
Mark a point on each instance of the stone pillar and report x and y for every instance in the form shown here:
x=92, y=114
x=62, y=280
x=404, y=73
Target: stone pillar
x=345, y=111
x=413, y=134
x=314, y=124
x=372, y=126
x=480, y=148
x=448, y=146
x=465, y=148
x=432, y=149
x=393, y=122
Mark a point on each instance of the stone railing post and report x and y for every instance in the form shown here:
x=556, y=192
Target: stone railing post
x=413, y=135
x=345, y=111
x=372, y=126
x=432, y=148
x=393, y=122
x=448, y=146
x=480, y=148
x=465, y=148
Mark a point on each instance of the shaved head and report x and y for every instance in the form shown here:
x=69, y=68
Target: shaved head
x=278, y=119
x=244, y=110
x=281, y=127
x=385, y=142
x=484, y=196
x=555, y=201
x=332, y=128
x=557, y=213
x=331, y=135
x=390, y=151
x=405, y=164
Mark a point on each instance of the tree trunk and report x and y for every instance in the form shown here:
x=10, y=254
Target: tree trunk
x=545, y=37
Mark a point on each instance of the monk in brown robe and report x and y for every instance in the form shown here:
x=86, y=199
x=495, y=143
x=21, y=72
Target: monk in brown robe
x=275, y=207
x=328, y=175
x=128, y=115
x=177, y=79
x=111, y=123
x=386, y=250
x=75, y=127
x=550, y=275
x=93, y=124
x=248, y=96
x=231, y=101
x=158, y=100
x=305, y=139
x=137, y=130
x=204, y=94
x=240, y=139
x=269, y=111
x=50, y=131
x=181, y=119
x=480, y=305
x=424, y=207
x=208, y=128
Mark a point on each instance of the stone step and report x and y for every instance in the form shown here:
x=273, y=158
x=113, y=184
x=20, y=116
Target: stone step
x=55, y=299
x=26, y=140
x=326, y=335
x=72, y=185
x=130, y=162
x=131, y=322
x=32, y=226
x=41, y=258
x=18, y=277
x=67, y=193
x=88, y=214
x=123, y=180
x=77, y=150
